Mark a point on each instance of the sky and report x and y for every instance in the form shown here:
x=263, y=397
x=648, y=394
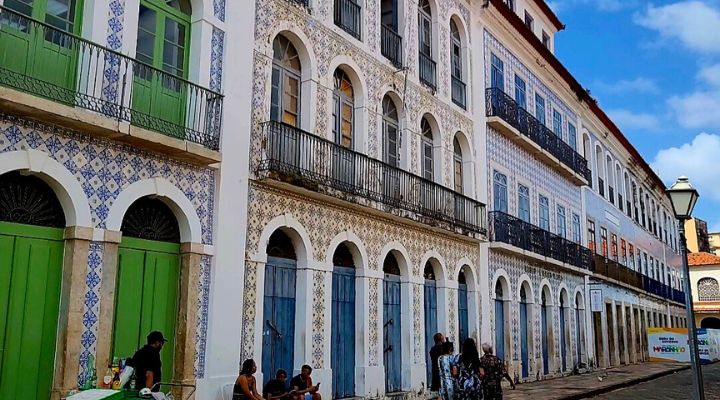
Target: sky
x=654, y=67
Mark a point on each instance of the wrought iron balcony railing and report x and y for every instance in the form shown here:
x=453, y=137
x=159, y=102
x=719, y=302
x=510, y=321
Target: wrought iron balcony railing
x=347, y=16
x=512, y=230
x=427, y=71
x=500, y=104
x=42, y=60
x=303, y=159
x=614, y=270
x=458, y=88
x=391, y=45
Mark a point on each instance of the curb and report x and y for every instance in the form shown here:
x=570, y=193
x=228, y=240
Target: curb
x=620, y=385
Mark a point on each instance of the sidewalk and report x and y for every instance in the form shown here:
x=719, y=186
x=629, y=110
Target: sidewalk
x=587, y=385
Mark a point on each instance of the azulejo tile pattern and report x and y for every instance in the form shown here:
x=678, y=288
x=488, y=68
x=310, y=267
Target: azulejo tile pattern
x=418, y=328
x=374, y=322
x=203, y=288
x=104, y=168
x=248, y=318
x=216, y=59
x=219, y=9
x=91, y=308
x=111, y=71
x=266, y=203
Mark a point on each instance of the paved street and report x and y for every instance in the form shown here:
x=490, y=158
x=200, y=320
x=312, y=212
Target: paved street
x=673, y=386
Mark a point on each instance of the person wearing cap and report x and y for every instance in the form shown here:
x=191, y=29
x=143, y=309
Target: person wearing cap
x=147, y=364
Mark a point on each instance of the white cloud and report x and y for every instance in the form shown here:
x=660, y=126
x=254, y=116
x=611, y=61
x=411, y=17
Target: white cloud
x=710, y=74
x=699, y=109
x=628, y=120
x=637, y=85
x=602, y=5
x=696, y=160
x=694, y=23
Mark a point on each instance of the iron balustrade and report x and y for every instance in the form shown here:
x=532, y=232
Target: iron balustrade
x=307, y=160
x=458, y=91
x=80, y=73
x=347, y=16
x=391, y=45
x=427, y=71
x=500, y=104
x=615, y=270
x=514, y=231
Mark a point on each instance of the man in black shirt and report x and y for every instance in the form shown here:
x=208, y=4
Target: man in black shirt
x=302, y=387
x=146, y=362
x=435, y=352
x=277, y=388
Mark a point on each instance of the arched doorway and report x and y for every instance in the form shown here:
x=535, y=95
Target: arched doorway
x=431, y=323
x=392, y=324
x=463, y=319
x=148, y=280
x=499, y=320
x=710, y=323
x=31, y=262
x=544, y=329
x=342, y=352
x=279, y=306
x=524, y=332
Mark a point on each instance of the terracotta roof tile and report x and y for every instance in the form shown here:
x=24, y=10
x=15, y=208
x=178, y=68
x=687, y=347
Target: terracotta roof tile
x=703, y=259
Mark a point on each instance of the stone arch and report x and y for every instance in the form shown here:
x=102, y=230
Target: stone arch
x=297, y=233
x=524, y=280
x=358, y=250
x=460, y=23
x=710, y=322
x=68, y=190
x=504, y=278
x=402, y=120
x=164, y=190
x=563, y=295
x=468, y=161
x=402, y=256
x=438, y=263
x=546, y=288
x=437, y=136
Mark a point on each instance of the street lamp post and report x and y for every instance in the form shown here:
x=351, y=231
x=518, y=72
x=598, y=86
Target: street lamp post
x=683, y=198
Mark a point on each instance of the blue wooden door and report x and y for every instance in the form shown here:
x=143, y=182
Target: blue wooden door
x=343, y=332
x=278, y=317
x=392, y=334
x=463, y=312
x=544, y=330
x=524, y=340
x=563, y=339
x=430, y=323
x=500, y=329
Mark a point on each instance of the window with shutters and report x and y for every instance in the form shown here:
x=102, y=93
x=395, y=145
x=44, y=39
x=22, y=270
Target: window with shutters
x=500, y=195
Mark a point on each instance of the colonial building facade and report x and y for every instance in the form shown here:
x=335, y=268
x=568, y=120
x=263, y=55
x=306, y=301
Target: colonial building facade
x=305, y=182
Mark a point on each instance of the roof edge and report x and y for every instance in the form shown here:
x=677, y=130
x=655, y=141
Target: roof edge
x=576, y=87
x=550, y=14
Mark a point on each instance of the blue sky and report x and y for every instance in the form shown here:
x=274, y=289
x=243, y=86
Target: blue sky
x=655, y=69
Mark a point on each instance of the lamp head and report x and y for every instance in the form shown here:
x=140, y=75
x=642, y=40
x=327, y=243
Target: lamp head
x=683, y=197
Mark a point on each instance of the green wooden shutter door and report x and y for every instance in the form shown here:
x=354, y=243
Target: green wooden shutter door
x=147, y=296
x=30, y=278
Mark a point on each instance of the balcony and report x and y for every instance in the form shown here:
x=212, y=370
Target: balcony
x=458, y=92
x=506, y=116
x=303, y=159
x=391, y=45
x=536, y=242
x=613, y=270
x=81, y=85
x=427, y=71
x=347, y=17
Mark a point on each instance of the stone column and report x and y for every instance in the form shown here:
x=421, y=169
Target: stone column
x=70, y=325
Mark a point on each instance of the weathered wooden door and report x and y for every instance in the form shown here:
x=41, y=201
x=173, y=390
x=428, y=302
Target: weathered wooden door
x=343, y=332
x=31, y=259
x=278, y=316
x=430, y=323
x=500, y=328
x=463, y=312
x=392, y=327
x=148, y=280
x=524, y=340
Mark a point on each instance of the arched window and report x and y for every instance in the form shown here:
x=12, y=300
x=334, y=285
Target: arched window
x=391, y=132
x=600, y=170
x=285, y=96
x=427, y=149
x=708, y=289
x=456, y=66
x=151, y=219
x=343, y=109
x=609, y=172
x=457, y=165
x=425, y=44
x=29, y=200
